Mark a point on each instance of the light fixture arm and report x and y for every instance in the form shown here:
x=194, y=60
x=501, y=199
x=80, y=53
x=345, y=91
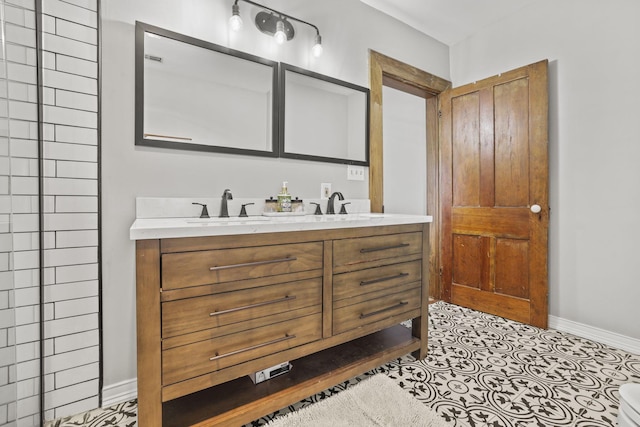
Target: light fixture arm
x=281, y=14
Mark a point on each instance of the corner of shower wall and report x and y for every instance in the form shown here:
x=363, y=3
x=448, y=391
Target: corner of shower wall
x=49, y=237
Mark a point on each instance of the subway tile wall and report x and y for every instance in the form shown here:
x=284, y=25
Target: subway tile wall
x=70, y=206
x=70, y=116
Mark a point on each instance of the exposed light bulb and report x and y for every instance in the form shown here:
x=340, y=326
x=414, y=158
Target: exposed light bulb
x=316, y=50
x=280, y=35
x=235, y=22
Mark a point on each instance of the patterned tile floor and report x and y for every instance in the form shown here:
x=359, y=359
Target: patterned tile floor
x=484, y=371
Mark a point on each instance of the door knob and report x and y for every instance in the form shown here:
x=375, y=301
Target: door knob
x=536, y=208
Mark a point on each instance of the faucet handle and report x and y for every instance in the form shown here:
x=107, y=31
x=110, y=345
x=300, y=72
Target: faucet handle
x=343, y=209
x=205, y=212
x=318, y=210
x=243, y=211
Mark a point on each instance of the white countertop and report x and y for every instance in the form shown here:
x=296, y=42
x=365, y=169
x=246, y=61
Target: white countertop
x=164, y=228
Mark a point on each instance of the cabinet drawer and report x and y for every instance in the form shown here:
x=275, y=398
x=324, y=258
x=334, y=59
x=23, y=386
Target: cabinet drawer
x=212, y=311
x=180, y=270
x=365, y=249
x=200, y=358
x=357, y=315
x=360, y=282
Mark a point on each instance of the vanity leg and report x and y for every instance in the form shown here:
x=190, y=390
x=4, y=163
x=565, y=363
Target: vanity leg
x=419, y=325
x=148, y=333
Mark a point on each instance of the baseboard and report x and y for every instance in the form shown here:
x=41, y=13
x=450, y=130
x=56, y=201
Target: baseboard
x=120, y=392
x=613, y=339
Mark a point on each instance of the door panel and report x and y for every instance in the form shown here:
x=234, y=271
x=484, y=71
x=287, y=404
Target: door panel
x=494, y=166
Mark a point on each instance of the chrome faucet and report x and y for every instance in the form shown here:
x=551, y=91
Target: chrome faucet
x=224, y=210
x=330, y=203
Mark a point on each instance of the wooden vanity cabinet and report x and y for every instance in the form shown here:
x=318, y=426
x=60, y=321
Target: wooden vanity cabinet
x=211, y=310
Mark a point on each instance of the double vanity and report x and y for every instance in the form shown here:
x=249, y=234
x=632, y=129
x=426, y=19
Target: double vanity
x=221, y=298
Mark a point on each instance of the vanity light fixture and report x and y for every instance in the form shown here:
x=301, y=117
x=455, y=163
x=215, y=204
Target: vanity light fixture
x=274, y=23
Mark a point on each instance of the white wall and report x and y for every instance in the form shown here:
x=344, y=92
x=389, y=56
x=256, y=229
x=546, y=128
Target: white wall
x=349, y=28
x=594, y=146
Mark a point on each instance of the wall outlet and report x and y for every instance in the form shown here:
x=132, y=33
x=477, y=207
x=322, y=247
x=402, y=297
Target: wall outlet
x=355, y=173
x=325, y=190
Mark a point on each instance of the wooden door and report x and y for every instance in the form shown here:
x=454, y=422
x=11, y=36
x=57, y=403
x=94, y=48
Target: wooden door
x=494, y=176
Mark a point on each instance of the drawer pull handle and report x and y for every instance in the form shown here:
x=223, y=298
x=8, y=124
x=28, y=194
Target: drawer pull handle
x=252, y=264
x=246, y=307
x=373, y=313
x=253, y=347
x=382, y=279
x=383, y=248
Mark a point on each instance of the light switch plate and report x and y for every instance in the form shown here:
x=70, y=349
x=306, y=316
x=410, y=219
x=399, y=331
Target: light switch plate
x=355, y=173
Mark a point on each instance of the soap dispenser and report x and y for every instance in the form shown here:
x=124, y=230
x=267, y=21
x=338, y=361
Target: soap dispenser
x=284, y=199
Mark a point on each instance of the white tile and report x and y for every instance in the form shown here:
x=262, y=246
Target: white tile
x=77, y=375
x=78, y=32
x=65, y=291
x=77, y=341
x=27, y=333
x=71, y=359
x=22, y=54
x=26, y=241
x=70, y=221
x=6, y=243
x=70, y=12
x=24, y=148
x=23, y=92
x=24, y=205
x=23, y=110
x=76, y=307
x=49, y=60
x=72, y=239
x=48, y=24
x=22, y=73
x=60, y=80
x=24, y=130
x=76, y=100
x=26, y=260
x=64, y=46
x=24, y=167
x=69, y=116
x=28, y=406
x=26, y=4
x=27, y=315
x=26, y=296
x=63, y=151
x=28, y=351
x=25, y=223
x=70, y=187
x=25, y=185
x=27, y=388
x=19, y=16
x=49, y=168
x=76, y=407
x=77, y=170
x=26, y=278
x=20, y=35
x=87, y=4
x=48, y=96
x=79, y=204
x=70, y=256
x=77, y=66
x=49, y=203
x=70, y=325
x=7, y=394
x=49, y=240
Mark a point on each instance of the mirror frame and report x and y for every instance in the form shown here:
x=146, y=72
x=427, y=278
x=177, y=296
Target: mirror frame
x=282, y=142
x=140, y=30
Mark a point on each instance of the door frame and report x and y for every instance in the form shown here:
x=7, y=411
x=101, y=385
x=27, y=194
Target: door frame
x=386, y=71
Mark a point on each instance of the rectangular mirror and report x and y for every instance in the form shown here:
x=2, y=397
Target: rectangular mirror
x=322, y=118
x=195, y=95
